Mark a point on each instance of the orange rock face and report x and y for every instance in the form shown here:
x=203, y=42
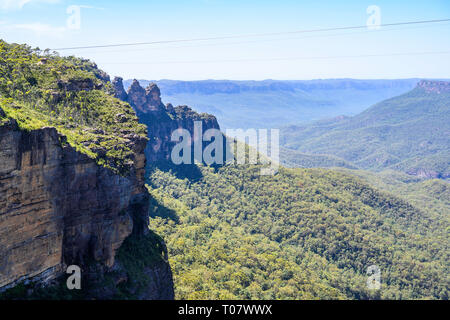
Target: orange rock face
x=58, y=207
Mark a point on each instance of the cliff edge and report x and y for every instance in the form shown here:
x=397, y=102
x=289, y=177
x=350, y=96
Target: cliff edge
x=72, y=191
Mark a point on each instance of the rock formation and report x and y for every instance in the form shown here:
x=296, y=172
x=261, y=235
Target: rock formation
x=153, y=96
x=58, y=207
x=161, y=119
x=434, y=86
x=119, y=91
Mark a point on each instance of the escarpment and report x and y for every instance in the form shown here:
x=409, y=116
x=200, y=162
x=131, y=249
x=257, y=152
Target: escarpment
x=160, y=119
x=72, y=190
x=58, y=207
x=434, y=86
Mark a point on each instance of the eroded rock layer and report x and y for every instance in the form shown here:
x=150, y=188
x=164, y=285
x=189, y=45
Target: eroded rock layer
x=58, y=207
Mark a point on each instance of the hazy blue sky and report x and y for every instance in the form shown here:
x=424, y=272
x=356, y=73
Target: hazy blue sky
x=43, y=23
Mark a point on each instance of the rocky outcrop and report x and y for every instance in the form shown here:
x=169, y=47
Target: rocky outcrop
x=119, y=91
x=142, y=100
x=136, y=97
x=432, y=86
x=426, y=173
x=153, y=96
x=58, y=207
x=78, y=85
x=161, y=119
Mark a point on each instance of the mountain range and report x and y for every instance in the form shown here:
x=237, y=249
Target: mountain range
x=86, y=180
x=275, y=103
x=409, y=133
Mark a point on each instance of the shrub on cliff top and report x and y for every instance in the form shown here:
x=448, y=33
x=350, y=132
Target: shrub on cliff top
x=38, y=89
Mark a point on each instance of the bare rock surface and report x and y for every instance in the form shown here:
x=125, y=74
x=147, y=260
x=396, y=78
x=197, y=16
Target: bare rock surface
x=59, y=208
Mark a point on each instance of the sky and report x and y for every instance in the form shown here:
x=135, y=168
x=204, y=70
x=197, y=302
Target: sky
x=408, y=51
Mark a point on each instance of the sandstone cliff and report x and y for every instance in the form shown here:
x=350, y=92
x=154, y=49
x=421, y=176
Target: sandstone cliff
x=58, y=207
x=160, y=119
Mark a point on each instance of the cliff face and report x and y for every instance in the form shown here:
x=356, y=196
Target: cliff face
x=30, y=226
x=434, y=86
x=160, y=119
x=72, y=190
x=58, y=208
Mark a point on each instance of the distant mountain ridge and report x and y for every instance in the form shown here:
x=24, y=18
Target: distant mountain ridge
x=409, y=133
x=276, y=103
x=171, y=87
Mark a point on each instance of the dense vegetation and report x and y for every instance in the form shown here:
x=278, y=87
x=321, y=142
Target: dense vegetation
x=303, y=233
x=295, y=159
x=39, y=88
x=408, y=133
x=431, y=195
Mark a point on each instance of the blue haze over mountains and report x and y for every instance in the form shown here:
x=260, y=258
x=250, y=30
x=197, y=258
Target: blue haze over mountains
x=277, y=103
x=356, y=124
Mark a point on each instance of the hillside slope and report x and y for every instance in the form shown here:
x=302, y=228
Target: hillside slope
x=409, y=133
x=432, y=195
x=301, y=234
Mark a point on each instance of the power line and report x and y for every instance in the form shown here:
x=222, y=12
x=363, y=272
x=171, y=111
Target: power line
x=288, y=58
x=247, y=35
x=359, y=32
